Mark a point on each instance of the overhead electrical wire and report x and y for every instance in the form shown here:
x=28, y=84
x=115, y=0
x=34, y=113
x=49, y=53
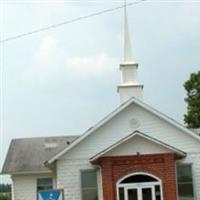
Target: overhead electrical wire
x=69, y=21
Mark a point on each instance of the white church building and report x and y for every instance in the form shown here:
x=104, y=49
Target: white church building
x=133, y=153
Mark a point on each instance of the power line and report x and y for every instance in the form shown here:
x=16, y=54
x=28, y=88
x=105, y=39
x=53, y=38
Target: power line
x=68, y=22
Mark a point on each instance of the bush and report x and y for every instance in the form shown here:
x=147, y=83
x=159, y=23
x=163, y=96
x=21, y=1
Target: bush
x=5, y=196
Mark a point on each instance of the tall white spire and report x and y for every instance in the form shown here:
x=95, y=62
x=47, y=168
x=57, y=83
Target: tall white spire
x=128, y=57
x=129, y=86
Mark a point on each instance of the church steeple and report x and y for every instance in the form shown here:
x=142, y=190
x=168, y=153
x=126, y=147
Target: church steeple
x=129, y=86
x=128, y=57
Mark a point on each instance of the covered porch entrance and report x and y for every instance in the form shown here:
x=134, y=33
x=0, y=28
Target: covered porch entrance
x=138, y=167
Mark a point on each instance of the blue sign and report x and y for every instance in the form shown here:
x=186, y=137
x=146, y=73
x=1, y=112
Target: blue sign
x=50, y=195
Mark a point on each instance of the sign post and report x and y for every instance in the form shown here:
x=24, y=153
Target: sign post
x=51, y=195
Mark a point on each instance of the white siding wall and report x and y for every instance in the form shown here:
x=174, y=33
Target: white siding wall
x=69, y=177
x=25, y=186
x=137, y=144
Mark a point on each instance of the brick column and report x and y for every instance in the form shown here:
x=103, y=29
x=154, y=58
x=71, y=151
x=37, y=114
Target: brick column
x=169, y=182
x=107, y=179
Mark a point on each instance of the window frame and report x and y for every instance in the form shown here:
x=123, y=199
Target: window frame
x=193, y=178
x=39, y=178
x=97, y=185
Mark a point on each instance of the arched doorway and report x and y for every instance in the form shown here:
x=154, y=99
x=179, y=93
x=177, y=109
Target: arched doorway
x=139, y=186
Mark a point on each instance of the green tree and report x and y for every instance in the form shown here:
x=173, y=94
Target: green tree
x=5, y=192
x=5, y=196
x=5, y=188
x=192, y=86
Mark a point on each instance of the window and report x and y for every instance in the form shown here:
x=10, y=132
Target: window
x=89, y=185
x=139, y=186
x=185, y=182
x=44, y=184
x=140, y=178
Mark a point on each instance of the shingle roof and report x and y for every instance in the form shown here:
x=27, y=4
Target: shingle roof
x=29, y=154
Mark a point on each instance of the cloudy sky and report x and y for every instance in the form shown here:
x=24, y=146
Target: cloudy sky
x=62, y=81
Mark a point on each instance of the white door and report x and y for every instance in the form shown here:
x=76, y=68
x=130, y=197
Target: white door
x=140, y=193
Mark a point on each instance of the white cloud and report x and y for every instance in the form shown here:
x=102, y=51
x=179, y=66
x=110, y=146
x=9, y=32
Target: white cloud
x=52, y=62
x=46, y=62
x=46, y=51
x=91, y=66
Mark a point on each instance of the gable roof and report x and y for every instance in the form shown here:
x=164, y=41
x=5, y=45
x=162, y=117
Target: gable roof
x=102, y=153
x=114, y=113
x=28, y=155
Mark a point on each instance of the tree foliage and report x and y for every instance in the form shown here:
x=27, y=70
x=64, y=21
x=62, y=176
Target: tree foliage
x=4, y=188
x=5, y=192
x=5, y=196
x=192, y=86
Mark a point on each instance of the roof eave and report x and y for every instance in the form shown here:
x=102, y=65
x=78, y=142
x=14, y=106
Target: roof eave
x=25, y=172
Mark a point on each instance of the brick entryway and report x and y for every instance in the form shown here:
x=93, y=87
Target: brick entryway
x=159, y=165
